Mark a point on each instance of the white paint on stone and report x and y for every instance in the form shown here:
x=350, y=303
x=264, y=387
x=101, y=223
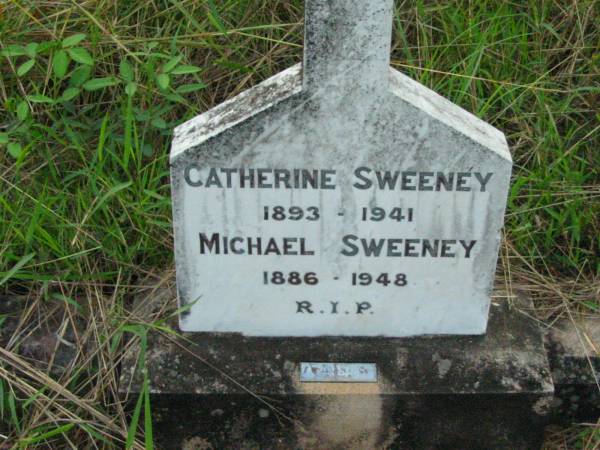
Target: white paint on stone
x=360, y=115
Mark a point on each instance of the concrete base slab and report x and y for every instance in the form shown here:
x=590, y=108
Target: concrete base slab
x=574, y=358
x=231, y=391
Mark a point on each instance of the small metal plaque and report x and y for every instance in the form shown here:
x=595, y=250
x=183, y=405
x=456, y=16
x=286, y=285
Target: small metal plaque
x=313, y=372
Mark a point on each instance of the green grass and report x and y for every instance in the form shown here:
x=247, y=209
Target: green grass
x=91, y=90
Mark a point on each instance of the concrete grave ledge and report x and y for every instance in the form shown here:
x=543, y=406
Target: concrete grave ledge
x=230, y=391
x=576, y=396
x=574, y=358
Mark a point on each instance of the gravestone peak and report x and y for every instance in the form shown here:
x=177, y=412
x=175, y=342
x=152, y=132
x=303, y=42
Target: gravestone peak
x=346, y=45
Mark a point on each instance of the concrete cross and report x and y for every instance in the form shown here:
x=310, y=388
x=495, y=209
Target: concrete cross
x=398, y=237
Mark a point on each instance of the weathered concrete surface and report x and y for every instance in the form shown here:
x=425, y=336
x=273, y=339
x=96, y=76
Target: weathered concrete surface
x=574, y=355
x=230, y=391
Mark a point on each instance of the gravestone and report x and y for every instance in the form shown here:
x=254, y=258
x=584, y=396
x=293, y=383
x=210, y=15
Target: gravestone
x=338, y=197
x=324, y=221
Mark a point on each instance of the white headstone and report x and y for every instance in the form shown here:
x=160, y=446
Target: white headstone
x=338, y=197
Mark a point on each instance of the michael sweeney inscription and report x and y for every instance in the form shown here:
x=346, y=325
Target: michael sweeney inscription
x=352, y=245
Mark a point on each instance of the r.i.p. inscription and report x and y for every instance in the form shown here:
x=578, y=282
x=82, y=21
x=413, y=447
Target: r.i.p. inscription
x=338, y=197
